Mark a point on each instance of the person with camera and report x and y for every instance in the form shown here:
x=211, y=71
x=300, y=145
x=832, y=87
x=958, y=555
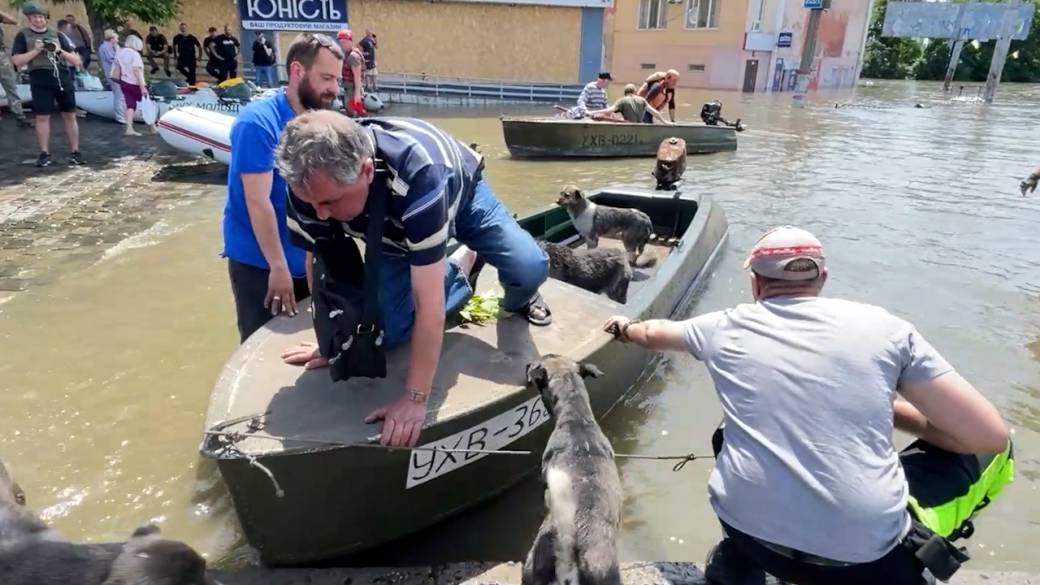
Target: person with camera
x=51, y=60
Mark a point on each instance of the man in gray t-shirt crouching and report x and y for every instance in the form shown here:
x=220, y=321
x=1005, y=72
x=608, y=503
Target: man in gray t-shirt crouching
x=808, y=484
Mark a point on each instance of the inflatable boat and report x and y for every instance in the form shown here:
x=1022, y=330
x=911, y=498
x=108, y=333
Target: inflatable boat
x=197, y=131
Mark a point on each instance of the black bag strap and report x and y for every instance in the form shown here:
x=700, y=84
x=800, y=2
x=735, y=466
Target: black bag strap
x=376, y=212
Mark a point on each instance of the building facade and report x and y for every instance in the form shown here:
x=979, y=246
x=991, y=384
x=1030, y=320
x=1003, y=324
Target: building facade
x=556, y=41
x=748, y=45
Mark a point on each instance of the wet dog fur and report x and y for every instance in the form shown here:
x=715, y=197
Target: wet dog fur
x=602, y=271
x=576, y=544
x=592, y=221
x=31, y=553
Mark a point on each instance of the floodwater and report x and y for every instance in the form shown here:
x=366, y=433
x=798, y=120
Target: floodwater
x=106, y=371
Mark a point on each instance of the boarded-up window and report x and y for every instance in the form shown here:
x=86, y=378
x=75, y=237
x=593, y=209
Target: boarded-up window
x=652, y=14
x=702, y=13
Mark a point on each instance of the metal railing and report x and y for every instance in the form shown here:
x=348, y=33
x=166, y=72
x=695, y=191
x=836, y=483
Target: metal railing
x=490, y=89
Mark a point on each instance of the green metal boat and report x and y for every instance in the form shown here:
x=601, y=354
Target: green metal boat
x=299, y=462
x=560, y=137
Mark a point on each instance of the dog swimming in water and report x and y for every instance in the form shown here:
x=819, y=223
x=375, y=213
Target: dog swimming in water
x=577, y=542
x=32, y=553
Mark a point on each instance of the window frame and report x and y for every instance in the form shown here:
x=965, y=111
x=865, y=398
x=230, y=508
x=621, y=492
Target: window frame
x=662, y=15
x=713, y=14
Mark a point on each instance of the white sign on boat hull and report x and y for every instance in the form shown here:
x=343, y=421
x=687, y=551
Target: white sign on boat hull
x=494, y=433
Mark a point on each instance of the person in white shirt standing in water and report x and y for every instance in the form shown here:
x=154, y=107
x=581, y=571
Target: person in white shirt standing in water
x=807, y=483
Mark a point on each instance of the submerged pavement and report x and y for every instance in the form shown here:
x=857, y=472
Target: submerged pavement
x=646, y=573
x=63, y=217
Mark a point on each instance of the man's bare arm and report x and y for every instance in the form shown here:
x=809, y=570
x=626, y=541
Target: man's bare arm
x=950, y=412
x=428, y=335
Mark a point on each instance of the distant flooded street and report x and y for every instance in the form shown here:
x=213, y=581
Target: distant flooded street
x=109, y=357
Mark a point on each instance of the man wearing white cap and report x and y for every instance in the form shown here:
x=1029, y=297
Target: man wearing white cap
x=807, y=483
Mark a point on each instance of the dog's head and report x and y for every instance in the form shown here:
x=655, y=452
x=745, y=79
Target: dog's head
x=547, y=374
x=570, y=196
x=149, y=559
x=10, y=491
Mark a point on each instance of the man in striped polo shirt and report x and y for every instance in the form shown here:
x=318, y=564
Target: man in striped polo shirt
x=436, y=192
x=594, y=96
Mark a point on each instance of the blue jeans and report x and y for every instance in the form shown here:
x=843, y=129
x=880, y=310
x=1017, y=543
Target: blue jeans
x=265, y=76
x=484, y=225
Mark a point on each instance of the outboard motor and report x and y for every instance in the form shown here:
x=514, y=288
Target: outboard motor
x=711, y=114
x=671, y=163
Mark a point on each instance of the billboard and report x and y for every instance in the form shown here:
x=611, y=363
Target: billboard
x=942, y=20
x=305, y=15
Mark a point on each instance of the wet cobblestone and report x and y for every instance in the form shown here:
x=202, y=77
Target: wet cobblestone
x=64, y=217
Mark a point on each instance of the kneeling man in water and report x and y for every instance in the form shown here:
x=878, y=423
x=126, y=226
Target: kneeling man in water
x=807, y=483
x=435, y=190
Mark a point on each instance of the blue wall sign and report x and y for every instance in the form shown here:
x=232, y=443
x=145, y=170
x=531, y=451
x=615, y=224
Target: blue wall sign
x=311, y=15
x=784, y=39
x=814, y=4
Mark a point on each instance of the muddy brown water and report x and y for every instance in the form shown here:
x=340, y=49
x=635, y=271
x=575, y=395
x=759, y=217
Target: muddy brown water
x=106, y=369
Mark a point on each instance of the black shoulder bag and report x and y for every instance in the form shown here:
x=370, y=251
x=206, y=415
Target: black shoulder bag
x=347, y=316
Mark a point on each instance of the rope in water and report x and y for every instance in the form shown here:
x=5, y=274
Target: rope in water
x=234, y=437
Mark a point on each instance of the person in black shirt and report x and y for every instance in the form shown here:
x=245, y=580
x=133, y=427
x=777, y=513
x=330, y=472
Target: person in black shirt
x=186, y=51
x=368, y=45
x=263, y=61
x=209, y=46
x=156, y=45
x=226, y=48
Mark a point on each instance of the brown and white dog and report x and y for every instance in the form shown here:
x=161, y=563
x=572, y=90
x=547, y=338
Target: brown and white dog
x=592, y=221
x=577, y=542
x=31, y=553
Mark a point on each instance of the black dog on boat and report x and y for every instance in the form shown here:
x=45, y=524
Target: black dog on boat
x=576, y=544
x=31, y=553
x=603, y=270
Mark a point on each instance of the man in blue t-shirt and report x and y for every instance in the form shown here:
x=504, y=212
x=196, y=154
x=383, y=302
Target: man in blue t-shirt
x=436, y=192
x=268, y=273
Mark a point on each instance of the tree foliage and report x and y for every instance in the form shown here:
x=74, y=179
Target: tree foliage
x=116, y=14
x=888, y=58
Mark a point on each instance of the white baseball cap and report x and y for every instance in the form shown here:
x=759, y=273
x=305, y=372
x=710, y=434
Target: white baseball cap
x=774, y=252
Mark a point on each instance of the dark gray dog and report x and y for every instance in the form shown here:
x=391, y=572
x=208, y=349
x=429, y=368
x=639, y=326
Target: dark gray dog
x=31, y=553
x=602, y=270
x=592, y=221
x=576, y=544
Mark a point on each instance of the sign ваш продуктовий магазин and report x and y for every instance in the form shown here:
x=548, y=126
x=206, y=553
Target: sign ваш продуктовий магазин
x=309, y=15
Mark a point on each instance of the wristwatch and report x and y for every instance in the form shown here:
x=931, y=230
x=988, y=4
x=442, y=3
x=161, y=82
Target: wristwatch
x=417, y=396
